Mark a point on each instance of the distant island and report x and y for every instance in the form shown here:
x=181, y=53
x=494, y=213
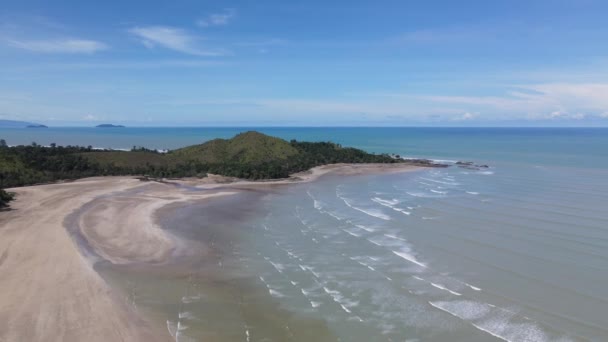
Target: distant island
x=19, y=124
x=109, y=126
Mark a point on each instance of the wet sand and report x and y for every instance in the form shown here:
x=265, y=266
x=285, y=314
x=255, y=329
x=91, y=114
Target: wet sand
x=55, y=233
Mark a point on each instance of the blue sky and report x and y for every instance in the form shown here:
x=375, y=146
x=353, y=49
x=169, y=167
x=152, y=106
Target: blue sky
x=348, y=63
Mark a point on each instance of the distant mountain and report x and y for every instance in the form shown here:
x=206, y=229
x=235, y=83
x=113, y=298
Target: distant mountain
x=18, y=124
x=37, y=126
x=108, y=126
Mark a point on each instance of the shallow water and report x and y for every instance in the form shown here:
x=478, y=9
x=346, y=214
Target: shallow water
x=515, y=252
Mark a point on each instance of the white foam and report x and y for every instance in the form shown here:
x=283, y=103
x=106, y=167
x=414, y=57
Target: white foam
x=345, y=308
x=390, y=204
x=275, y=293
x=511, y=332
x=367, y=229
x=309, y=269
x=277, y=266
x=463, y=309
x=372, y=213
x=190, y=299
x=409, y=258
x=186, y=315
x=315, y=304
x=333, y=215
x=330, y=292
x=317, y=204
x=419, y=194
x=172, y=328
x=439, y=192
x=441, y=287
x=490, y=332
x=484, y=317
x=339, y=299
x=364, y=264
x=385, y=202
x=444, y=161
x=395, y=237
x=180, y=327
x=485, y=172
x=375, y=243
x=369, y=212
x=473, y=287
x=440, y=182
x=351, y=233
x=472, y=192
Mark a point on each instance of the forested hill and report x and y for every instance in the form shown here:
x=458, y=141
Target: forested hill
x=250, y=155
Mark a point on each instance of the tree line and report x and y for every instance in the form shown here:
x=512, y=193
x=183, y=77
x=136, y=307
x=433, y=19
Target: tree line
x=35, y=164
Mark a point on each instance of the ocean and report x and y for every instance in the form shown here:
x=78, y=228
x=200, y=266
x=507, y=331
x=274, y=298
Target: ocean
x=517, y=251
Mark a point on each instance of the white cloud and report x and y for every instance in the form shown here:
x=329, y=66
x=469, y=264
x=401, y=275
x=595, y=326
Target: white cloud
x=174, y=39
x=59, y=46
x=217, y=19
x=552, y=101
x=556, y=115
x=465, y=117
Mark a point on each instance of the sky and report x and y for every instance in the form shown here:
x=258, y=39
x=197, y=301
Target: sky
x=305, y=63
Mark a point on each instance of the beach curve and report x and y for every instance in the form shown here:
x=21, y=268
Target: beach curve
x=49, y=289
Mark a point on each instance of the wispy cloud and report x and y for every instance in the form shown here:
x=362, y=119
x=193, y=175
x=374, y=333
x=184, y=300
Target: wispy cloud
x=174, y=39
x=217, y=19
x=78, y=46
x=545, y=101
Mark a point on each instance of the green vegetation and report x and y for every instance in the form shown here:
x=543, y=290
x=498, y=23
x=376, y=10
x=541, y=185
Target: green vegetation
x=250, y=155
x=5, y=197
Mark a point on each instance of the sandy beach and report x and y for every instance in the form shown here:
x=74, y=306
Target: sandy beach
x=54, y=234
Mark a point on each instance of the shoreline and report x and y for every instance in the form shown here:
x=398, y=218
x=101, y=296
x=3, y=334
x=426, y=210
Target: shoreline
x=49, y=286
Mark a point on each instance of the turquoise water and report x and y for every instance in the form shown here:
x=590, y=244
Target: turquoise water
x=516, y=252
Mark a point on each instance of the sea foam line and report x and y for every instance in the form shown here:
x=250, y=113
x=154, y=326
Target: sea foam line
x=409, y=258
x=440, y=182
x=389, y=204
x=367, y=212
x=441, y=287
x=482, y=316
